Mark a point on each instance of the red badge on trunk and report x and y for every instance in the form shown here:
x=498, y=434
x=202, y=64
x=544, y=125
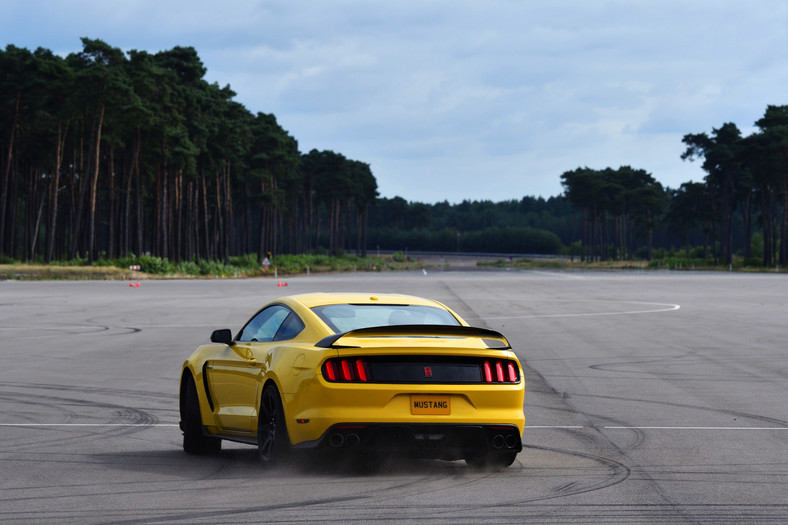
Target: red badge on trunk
x=427, y=371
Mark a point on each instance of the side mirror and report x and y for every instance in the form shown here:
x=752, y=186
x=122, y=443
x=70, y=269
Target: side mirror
x=224, y=336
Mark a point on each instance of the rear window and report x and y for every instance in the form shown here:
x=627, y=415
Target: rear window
x=345, y=317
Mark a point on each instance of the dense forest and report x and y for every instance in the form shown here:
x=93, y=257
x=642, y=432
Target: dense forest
x=105, y=153
x=625, y=213
x=745, y=191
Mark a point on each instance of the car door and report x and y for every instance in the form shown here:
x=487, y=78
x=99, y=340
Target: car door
x=234, y=374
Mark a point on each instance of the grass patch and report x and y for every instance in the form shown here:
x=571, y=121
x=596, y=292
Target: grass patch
x=675, y=264
x=558, y=263
x=160, y=268
x=44, y=272
x=289, y=265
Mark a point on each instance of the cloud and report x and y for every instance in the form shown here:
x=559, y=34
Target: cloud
x=464, y=99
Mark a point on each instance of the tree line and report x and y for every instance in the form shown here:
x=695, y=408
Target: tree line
x=531, y=225
x=629, y=199
x=624, y=213
x=745, y=177
x=106, y=153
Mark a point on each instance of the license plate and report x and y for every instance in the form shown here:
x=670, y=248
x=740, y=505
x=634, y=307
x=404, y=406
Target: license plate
x=430, y=404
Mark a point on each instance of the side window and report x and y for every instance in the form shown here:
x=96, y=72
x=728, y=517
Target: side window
x=290, y=328
x=263, y=326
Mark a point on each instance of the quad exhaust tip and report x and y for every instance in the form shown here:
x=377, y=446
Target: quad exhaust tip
x=500, y=441
x=352, y=440
x=338, y=440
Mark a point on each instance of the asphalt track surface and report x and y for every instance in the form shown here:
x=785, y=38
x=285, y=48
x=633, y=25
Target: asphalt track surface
x=650, y=398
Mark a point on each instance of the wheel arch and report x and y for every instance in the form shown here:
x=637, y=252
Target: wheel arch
x=197, y=377
x=270, y=380
x=274, y=380
x=186, y=376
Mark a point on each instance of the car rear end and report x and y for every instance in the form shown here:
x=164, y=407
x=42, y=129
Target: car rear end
x=437, y=392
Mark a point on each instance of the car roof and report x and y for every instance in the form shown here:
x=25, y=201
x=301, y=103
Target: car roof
x=310, y=300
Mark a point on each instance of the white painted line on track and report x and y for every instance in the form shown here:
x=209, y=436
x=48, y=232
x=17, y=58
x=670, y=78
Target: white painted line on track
x=659, y=307
x=88, y=328
x=696, y=428
x=529, y=427
x=653, y=428
x=570, y=276
x=88, y=425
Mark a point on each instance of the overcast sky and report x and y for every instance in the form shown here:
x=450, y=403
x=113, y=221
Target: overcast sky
x=454, y=100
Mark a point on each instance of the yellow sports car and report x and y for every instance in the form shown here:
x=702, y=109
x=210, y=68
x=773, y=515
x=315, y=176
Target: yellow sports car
x=356, y=373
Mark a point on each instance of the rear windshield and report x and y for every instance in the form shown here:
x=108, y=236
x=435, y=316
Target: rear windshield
x=345, y=317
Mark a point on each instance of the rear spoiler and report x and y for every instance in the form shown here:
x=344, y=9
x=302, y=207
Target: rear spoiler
x=494, y=340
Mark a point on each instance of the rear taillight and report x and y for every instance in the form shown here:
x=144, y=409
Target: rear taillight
x=514, y=377
x=360, y=370
x=330, y=370
x=487, y=372
x=494, y=371
x=346, y=370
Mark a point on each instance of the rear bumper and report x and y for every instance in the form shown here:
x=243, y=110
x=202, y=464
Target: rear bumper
x=436, y=441
x=317, y=409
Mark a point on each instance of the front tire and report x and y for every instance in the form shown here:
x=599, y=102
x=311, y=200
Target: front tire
x=272, y=441
x=194, y=441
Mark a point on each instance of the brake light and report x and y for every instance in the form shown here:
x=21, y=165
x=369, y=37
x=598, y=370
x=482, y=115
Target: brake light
x=330, y=371
x=487, y=372
x=504, y=372
x=512, y=372
x=346, y=370
x=361, y=371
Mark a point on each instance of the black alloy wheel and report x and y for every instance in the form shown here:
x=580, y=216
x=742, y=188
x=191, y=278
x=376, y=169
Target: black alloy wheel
x=272, y=441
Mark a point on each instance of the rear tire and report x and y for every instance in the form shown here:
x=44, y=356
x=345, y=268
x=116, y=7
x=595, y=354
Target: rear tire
x=194, y=441
x=273, y=443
